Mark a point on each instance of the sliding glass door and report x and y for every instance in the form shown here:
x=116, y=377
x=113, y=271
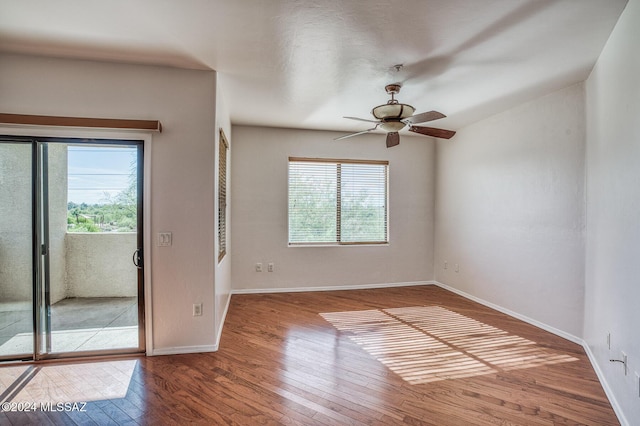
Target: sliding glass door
x=84, y=289
x=16, y=250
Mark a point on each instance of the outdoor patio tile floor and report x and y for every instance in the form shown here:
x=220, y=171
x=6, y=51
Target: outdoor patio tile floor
x=77, y=324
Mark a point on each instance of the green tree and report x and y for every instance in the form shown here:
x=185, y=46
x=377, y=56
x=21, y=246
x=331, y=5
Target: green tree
x=116, y=213
x=312, y=208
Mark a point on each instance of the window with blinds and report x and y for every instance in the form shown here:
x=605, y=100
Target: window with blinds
x=337, y=201
x=222, y=196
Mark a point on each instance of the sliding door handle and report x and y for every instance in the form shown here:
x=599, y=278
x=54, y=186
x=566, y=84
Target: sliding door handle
x=137, y=258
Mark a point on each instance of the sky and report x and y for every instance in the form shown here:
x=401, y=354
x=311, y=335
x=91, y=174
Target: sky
x=96, y=173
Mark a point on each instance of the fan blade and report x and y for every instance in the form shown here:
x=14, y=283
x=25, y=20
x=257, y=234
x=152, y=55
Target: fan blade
x=355, y=134
x=431, y=131
x=362, y=119
x=424, y=117
x=393, y=139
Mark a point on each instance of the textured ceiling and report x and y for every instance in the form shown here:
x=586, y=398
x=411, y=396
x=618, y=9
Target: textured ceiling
x=305, y=63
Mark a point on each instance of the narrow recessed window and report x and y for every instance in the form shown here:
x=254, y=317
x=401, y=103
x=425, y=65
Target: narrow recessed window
x=337, y=201
x=222, y=195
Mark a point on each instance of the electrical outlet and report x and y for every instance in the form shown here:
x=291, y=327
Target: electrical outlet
x=624, y=362
x=637, y=384
x=446, y=265
x=258, y=267
x=457, y=268
x=197, y=309
x=609, y=340
x=270, y=267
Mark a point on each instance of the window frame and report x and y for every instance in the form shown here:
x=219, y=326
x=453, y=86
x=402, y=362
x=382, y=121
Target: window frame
x=338, y=162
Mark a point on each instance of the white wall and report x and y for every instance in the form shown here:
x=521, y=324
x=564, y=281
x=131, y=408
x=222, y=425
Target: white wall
x=613, y=211
x=259, y=169
x=182, y=176
x=509, y=210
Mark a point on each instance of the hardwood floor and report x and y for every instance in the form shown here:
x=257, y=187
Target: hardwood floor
x=410, y=355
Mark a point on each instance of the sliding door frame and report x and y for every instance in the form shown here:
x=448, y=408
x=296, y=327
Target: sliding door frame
x=41, y=268
x=46, y=134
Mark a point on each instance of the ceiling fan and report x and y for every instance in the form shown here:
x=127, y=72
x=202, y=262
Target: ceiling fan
x=394, y=116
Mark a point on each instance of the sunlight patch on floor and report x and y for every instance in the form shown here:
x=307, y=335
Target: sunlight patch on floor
x=80, y=382
x=424, y=344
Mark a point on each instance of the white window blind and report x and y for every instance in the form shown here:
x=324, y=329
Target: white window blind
x=222, y=196
x=337, y=201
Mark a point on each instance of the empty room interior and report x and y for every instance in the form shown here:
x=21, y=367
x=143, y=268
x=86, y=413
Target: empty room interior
x=320, y=212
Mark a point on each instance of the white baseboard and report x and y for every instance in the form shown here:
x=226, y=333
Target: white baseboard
x=605, y=385
x=222, y=320
x=601, y=377
x=511, y=313
x=328, y=288
x=176, y=350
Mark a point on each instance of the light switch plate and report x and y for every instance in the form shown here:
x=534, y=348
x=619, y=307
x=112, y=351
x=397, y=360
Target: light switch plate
x=164, y=239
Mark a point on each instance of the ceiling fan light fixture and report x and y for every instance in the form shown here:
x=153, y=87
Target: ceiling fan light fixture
x=393, y=111
x=392, y=126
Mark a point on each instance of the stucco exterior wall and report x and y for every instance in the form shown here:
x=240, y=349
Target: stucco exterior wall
x=100, y=265
x=57, y=159
x=16, y=283
x=15, y=223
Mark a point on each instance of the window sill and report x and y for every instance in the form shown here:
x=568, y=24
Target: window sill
x=307, y=245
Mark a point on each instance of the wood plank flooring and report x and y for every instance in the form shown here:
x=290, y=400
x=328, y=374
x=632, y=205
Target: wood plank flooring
x=410, y=355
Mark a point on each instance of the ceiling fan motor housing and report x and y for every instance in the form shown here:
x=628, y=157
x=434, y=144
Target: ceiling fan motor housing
x=393, y=111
